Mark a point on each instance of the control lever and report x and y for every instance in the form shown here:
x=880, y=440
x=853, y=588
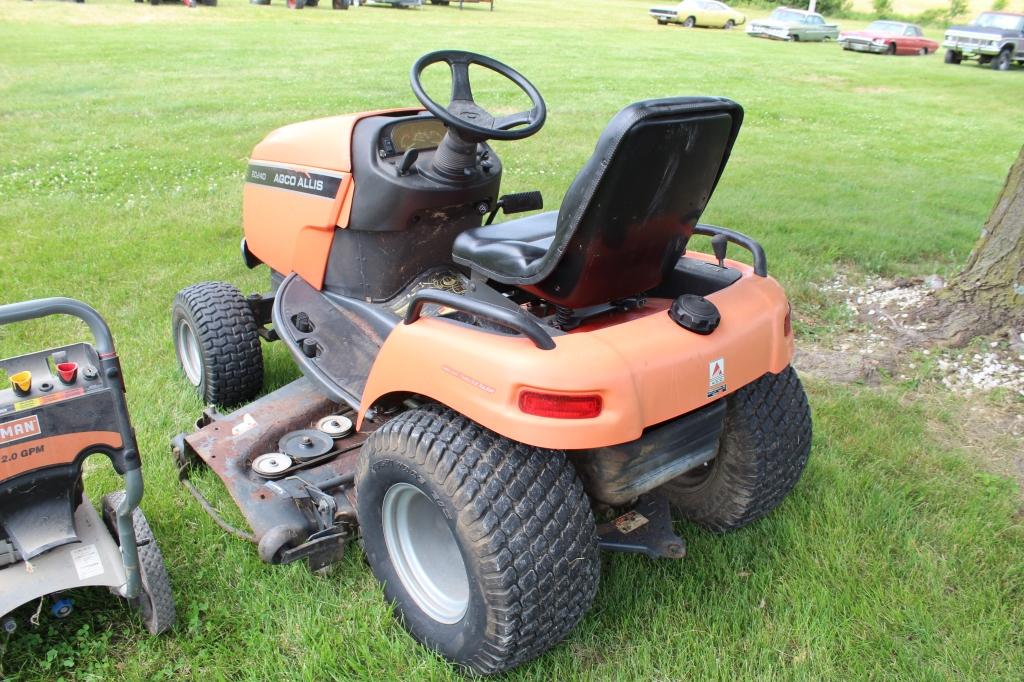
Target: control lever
x=408, y=159
x=719, y=244
x=517, y=203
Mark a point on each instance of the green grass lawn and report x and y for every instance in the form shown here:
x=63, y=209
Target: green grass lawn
x=124, y=133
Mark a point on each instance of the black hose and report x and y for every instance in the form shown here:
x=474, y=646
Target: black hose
x=208, y=508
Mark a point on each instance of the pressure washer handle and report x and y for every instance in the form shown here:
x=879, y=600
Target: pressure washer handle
x=43, y=307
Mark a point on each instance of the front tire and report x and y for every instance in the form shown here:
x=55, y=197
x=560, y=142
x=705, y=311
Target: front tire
x=486, y=547
x=689, y=22
x=217, y=343
x=1001, y=62
x=729, y=25
x=766, y=440
x=952, y=57
x=891, y=50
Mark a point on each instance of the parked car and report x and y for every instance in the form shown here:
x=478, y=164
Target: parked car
x=785, y=23
x=691, y=13
x=888, y=37
x=994, y=38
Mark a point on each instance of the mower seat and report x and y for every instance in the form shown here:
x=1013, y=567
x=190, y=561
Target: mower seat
x=627, y=216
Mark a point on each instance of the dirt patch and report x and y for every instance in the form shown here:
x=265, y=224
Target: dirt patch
x=879, y=90
x=822, y=80
x=886, y=339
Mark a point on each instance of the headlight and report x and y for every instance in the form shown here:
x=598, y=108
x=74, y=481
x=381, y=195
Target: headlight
x=879, y=41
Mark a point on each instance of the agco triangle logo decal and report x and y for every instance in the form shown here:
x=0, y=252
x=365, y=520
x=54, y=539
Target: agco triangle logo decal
x=716, y=377
x=26, y=427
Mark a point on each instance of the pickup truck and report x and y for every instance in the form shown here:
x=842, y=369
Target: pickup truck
x=994, y=38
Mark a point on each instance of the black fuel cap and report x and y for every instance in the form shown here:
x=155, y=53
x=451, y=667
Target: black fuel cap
x=695, y=313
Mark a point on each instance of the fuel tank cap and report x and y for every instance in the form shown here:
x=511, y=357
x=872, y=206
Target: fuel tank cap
x=695, y=313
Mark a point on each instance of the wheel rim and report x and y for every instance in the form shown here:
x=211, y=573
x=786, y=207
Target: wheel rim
x=189, y=355
x=424, y=553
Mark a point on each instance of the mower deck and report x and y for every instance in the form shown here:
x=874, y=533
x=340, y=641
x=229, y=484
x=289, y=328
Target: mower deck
x=308, y=511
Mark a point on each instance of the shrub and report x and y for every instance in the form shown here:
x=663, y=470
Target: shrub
x=957, y=8
x=932, y=17
x=835, y=8
x=999, y=5
x=883, y=8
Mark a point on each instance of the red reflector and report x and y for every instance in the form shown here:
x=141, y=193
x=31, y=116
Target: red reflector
x=787, y=324
x=560, y=405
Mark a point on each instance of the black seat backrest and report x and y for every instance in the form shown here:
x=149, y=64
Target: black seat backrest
x=627, y=216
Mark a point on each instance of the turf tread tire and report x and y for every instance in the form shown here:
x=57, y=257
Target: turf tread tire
x=229, y=340
x=525, y=517
x=156, y=604
x=766, y=440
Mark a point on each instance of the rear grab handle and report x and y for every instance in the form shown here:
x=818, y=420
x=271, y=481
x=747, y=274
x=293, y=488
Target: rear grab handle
x=510, y=319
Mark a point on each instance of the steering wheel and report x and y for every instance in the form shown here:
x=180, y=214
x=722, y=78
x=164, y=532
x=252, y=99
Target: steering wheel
x=472, y=122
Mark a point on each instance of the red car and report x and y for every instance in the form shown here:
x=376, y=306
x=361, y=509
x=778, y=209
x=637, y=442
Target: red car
x=888, y=37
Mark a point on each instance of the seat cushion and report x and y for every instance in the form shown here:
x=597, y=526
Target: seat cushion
x=512, y=249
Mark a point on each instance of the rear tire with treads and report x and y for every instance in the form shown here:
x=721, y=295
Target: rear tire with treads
x=766, y=440
x=516, y=515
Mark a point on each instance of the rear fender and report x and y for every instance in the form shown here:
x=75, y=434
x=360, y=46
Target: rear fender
x=647, y=370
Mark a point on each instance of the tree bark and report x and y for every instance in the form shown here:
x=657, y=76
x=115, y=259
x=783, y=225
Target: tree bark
x=988, y=294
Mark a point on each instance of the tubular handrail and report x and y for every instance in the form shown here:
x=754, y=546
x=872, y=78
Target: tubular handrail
x=505, y=317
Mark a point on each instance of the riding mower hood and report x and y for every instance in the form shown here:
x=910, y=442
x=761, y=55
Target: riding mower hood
x=488, y=405
x=63, y=405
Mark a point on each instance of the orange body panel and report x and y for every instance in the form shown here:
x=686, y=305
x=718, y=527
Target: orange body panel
x=293, y=231
x=27, y=455
x=321, y=143
x=646, y=368
x=289, y=231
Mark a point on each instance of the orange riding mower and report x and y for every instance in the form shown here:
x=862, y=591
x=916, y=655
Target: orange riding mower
x=488, y=405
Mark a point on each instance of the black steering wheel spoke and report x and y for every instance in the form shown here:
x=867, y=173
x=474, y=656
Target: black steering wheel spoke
x=461, y=89
x=510, y=121
x=464, y=117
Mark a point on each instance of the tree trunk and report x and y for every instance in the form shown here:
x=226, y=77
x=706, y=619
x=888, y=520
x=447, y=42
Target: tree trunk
x=988, y=294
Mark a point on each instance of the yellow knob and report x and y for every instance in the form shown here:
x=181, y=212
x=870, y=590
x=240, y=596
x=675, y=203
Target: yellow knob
x=22, y=381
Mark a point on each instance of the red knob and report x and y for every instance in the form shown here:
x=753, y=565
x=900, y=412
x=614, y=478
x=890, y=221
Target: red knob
x=67, y=371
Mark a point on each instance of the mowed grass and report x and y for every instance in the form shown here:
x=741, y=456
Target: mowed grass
x=125, y=131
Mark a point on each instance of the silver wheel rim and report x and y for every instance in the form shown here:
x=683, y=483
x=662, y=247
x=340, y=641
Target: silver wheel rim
x=188, y=353
x=424, y=553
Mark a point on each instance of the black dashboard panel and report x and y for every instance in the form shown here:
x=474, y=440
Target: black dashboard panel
x=418, y=133
x=403, y=221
